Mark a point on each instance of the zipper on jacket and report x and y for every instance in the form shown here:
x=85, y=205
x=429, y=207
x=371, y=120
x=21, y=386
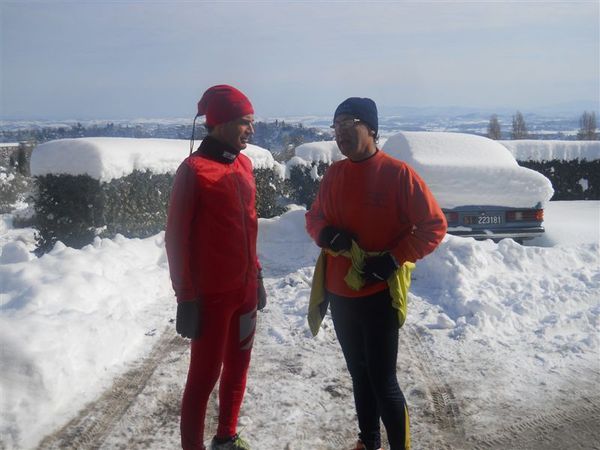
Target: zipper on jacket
x=244, y=220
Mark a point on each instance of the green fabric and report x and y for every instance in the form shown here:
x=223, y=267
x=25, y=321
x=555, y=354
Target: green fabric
x=317, y=305
x=398, y=283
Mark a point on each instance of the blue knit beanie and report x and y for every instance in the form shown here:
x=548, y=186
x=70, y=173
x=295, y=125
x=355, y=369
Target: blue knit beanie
x=361, y=108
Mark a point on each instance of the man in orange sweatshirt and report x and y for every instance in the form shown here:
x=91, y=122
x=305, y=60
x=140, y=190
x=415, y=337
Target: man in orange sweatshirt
x=383, y=205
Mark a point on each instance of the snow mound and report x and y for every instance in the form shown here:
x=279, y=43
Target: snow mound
x=107, y=158
x=14, y=252
x=536, y=150
x=283, y=244
x=491, y=289
x=90, y=311
x=263, y=159
x=463, y=169
x=324, y=151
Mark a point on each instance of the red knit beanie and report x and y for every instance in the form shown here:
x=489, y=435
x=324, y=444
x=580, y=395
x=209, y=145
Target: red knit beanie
x=223, y=103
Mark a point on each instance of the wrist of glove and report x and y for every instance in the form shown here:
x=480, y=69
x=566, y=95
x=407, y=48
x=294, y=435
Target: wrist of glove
x=335, y=239
x=261, y=293
x=380, y=268
x=188, y=319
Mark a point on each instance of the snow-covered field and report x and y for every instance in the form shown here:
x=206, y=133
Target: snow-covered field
x=507, y=334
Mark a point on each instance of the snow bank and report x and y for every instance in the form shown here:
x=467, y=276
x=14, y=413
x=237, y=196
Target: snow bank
x=70, y=321
x=108, y=158
x=464, y=169
x=263, y=159
x=283, y=244
x=536, y=150
x=503, y=289
x=314, y=153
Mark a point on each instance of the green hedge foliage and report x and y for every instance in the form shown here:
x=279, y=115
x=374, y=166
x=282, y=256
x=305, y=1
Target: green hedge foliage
x=75, y=209
x=571, y=180
x=269, y=193
x=301, y=187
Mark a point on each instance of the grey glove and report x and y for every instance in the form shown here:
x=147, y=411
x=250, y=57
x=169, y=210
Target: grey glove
x=188, y=319
x=261, y=293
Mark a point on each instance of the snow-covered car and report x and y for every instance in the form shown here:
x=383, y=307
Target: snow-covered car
x=478, y=183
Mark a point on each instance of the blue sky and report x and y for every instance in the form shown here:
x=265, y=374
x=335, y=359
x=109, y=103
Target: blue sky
x=148, y=59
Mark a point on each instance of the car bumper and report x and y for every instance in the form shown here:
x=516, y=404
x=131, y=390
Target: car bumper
x=501, y=233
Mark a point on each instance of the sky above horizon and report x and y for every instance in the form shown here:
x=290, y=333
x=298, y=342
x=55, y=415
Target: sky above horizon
x=154, y=59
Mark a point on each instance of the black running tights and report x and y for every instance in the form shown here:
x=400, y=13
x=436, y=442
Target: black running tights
x=367, y=329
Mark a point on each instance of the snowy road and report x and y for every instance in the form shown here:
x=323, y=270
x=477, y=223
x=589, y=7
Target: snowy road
x=500, y=349
x=141, y=409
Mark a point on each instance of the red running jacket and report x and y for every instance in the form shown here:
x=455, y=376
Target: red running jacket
x=384, y=203
x=212, y=225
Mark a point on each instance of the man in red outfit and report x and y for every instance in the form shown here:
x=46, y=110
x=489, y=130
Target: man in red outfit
x=382, y=205
x=211, y=247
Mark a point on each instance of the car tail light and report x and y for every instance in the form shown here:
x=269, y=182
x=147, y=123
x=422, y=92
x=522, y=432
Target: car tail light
x=526, y=215
x=451, y=216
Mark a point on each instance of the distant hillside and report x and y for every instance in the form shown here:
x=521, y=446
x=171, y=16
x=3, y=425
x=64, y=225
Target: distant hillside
x=279, y=137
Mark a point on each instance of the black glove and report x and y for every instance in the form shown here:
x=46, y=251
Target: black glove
x=188, y=319
x=335, y=239
x=261, y=293
x=380, y=268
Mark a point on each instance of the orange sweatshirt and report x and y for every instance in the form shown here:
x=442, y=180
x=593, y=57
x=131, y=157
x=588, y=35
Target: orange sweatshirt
x=385, y=205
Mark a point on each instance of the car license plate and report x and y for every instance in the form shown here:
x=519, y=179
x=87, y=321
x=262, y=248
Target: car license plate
x=483, y=219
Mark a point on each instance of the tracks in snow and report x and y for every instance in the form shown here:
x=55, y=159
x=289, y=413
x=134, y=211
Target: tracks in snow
x=572, y=426
x=91, y=426
x=446, y=411
x=575, y=425
x=114, y=421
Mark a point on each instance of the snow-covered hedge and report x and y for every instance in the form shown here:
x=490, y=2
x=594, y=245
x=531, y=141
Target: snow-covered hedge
x=15, y=182
x=553, y=150
x=572, y=180
x=103, y=186
x=456, y=162
x=573, y=167
x=74, y=209
x=305, y=170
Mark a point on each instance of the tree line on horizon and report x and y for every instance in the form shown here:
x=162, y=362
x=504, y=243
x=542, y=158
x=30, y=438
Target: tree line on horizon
x=587, y=131
x=280, y=137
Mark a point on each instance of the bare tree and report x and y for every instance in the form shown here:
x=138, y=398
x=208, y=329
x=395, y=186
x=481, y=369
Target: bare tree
x=493, y=130
x=588, y=125
x=519, y=128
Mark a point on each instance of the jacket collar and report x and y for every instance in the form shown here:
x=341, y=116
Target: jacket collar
x=217, y=150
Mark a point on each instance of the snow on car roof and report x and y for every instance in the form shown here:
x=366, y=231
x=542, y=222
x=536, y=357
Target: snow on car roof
x=105, y=158
x=463, y=169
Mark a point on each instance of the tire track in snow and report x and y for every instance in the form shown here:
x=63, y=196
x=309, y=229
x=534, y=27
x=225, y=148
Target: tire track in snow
x=446, y=412
x=91, y=426
x=575, y=427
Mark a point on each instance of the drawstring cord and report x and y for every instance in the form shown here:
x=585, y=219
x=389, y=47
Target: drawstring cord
x=193, y=132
